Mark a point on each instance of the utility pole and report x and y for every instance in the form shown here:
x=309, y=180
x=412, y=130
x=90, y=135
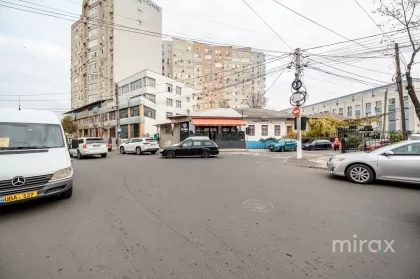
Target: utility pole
x=117, y=114
x=298, y=101
x=385, y=106
x=400, y=90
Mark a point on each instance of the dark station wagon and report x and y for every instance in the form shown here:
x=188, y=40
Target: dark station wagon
x=193, y=146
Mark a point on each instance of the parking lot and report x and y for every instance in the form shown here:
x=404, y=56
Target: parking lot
x=232, y=216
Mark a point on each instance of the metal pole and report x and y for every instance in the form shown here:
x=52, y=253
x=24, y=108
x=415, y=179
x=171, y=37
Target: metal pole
x=385, y=106
x=299, y=118
x=400, y=90
x=117, y=114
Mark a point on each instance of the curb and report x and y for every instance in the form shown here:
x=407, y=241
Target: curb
x=305, y=166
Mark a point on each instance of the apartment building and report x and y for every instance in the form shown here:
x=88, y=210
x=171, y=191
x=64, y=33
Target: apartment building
x=103, y=54
x=144, y=100
x=222, y=75
x=371, y=102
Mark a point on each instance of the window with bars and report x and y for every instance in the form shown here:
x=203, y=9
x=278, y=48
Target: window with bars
x=277, y=130
x=169, y=102
x=251, y=130
x=264, y=130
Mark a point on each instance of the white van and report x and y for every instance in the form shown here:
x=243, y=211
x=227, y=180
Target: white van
x=34, y=158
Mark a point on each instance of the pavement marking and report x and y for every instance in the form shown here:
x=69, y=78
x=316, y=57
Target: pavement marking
x=257, y=205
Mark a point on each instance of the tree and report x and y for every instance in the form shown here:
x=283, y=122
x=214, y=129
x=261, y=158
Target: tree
x=404, y=14
x=68, y=125
x=257, y=100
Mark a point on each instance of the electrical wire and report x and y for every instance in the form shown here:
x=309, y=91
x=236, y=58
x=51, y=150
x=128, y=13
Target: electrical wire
x=268, y=25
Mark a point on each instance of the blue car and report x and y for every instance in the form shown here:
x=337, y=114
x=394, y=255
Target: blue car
x=283, y=145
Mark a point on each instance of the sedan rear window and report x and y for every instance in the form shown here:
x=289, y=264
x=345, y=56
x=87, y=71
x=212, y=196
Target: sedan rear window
x=150, y=139
x=94, y=140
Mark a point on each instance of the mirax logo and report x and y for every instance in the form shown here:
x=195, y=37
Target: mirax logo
x=358, y=246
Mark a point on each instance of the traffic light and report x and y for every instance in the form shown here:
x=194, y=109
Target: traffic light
x=302, y=123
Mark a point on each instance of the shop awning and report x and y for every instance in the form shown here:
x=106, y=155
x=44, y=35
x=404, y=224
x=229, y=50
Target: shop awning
x=217, y=122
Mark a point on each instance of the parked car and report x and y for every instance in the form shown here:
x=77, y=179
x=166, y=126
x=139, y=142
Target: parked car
x=139, y=146
x=273, y=143
x=395, y=162
x=317, y=145
x=34, y=157
x=373, y=144
x=88, y=147
x=283, y=145
x=194, y=146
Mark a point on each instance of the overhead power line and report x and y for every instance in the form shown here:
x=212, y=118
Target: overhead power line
x=268, y=25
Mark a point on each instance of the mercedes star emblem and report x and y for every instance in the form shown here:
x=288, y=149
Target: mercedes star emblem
x=18, y=181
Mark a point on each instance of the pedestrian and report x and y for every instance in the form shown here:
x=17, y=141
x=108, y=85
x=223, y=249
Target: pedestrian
x=336, y=144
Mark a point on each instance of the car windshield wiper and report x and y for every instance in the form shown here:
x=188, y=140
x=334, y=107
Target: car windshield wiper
x=30, y=147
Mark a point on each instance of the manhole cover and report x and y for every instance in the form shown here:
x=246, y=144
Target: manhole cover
x=257, y=205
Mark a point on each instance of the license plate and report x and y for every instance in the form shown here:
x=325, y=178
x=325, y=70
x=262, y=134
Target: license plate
x=96, y=145
x=18, y=197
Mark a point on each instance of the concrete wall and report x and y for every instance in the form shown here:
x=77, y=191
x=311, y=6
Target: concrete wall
x=134, y=52
x=169, y=139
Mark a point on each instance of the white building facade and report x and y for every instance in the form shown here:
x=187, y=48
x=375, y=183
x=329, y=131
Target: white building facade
x=371, y=102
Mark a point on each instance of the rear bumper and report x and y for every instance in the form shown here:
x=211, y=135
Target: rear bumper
x=54, y=188
x=150, y=149
x=92, y=152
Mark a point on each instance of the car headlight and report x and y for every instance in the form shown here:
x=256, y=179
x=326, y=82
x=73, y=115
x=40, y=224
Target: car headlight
x=61, y=174
x=336, y=159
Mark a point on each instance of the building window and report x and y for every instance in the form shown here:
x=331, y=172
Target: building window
x=150, y=97
x=187, y=99
x=188, y=112
x=148, y=112
x=349, y=111
x=134, y=130
x=169, y=102
x=264, y=130
x=134, y=111
x=277, y=130
x=168, y=114
x=92, y=77
x=123, y=114
x=391, y=101
x=169, y=86
x=135, y=85
x=124, y=131
x=178, y=104
x=125, y=89
x=92, y=2
x=178, y=90
x=93, y=32
x=379, y=124
x=91, y=66
x=92, y=54
x=251, y=130
x=112, y=115
x=92, y=11
x=92, y=87
x=150, y=82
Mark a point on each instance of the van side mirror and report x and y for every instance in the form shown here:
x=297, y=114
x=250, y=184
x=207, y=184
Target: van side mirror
x=388, y=153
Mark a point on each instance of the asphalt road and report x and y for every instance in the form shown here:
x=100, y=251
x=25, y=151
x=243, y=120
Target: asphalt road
x=146, y=217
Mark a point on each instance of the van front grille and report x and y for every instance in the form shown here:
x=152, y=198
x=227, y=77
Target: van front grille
x=30, y=182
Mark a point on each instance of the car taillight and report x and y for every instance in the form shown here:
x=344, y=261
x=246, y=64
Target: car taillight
x=84, y=145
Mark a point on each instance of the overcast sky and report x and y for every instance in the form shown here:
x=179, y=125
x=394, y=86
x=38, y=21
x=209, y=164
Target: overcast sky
x=35, y=49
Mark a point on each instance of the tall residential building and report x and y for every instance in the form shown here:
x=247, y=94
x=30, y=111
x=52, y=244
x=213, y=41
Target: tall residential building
x=102, y=54
x=371, y=102
x=222, y=75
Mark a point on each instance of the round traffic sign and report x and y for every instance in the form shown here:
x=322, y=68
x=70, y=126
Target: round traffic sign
x=296, y=111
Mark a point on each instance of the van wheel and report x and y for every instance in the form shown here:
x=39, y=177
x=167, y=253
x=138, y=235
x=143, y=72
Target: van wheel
x=122, y=151
x=67, y=194
x=138, y=150
x=79, y=156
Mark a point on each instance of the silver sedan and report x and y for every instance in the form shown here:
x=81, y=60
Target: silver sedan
x=396, y=162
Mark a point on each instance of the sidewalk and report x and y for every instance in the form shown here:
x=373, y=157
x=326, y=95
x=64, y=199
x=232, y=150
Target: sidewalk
x=314, y=163
x=243, y=150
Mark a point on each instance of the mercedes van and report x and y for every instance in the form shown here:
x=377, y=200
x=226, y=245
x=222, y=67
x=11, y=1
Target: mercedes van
x=34, y=157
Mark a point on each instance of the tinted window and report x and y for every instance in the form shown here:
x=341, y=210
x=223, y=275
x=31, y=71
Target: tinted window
x=197, y=143
x=208, y=143
x=409, y=149
x=187, y=143
x=94, y=140
x=150, y=140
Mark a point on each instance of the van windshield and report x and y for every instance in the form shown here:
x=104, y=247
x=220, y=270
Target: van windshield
x=30, y=136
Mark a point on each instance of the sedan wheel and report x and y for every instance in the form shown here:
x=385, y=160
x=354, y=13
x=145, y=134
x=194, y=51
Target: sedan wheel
x=206, y=154
x=138, y=150
x=282, y=149
x=170, y=154
x=360, y=174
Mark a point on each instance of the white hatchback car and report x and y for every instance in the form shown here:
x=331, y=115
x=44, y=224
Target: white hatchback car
x=87, y=147
x=139, y=146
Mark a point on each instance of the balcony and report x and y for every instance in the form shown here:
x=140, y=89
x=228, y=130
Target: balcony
x=132, y=120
